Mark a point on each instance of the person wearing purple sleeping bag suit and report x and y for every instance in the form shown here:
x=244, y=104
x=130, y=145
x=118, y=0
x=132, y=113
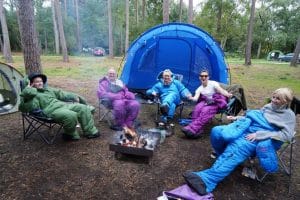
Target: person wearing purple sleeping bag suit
x=259, y=133
x=211, y=98
x=116, y=94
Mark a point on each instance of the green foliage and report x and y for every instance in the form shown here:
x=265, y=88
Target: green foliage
x=276, y=23
x=93, y=23
x=13, y=29
x=232, y=24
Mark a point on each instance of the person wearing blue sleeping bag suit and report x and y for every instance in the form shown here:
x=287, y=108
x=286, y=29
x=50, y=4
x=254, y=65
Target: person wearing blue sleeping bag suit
x=170, y=91
x=259, y=133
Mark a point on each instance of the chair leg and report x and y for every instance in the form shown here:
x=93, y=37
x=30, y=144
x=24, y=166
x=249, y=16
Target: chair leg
x=157, y=112
x=32, y=125
x=290, y=174
x=180, y=111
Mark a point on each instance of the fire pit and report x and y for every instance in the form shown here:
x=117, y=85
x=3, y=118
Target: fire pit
x=138, y=143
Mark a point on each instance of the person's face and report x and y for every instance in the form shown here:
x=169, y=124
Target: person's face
x=167, y=78
x=112, y=76
x=203, y=77
x=275, y=100
x=37, y=83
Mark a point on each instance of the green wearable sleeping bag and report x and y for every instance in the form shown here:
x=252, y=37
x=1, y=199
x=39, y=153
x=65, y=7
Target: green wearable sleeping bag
x=55, y=103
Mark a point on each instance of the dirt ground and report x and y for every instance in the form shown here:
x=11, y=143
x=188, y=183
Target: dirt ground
x=87, y=169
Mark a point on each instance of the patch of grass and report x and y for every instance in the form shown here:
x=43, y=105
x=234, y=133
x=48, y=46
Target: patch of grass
x=260, y=78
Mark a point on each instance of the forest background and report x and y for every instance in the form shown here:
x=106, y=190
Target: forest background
x=276, y=23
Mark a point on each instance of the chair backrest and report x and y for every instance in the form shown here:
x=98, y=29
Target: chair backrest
x=178, y=77
x=295, y=105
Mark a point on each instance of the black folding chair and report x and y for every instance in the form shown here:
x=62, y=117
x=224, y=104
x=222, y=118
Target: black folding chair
x=105, y=111
x=45, y=127
x=158, y=111
x=231, y=109
x=178, y=77
x=37, y=122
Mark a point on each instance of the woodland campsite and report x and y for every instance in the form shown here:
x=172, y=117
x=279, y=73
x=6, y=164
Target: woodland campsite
x=76, y=42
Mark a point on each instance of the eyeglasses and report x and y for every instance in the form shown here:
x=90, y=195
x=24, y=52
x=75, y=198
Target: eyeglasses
x=202, y=76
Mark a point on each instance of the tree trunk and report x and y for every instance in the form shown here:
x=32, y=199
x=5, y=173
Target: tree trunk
x=19, y=23
x=190, y=20
x=165, y=11
x=79, y=46
x=296, y=54
x=249, y=35
x=55, y=29
x=223, y=42
x=258, y=51
x=1, y=45
x=122, y=50
x=29, y=38
x=127, y=25
x=136, y=12
x=110, y=34
x=46, y=42
x=143, y=10
x=180, y=10
x=6, y=43
x=65, y=7
x=61, y=31
x=219, y=17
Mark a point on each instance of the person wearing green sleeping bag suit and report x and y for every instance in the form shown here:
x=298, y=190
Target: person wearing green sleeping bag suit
x=55, y=103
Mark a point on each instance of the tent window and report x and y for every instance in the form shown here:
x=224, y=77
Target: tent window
x=8, y=96
x=201, y=60
x=174, y=53
x=147, y=61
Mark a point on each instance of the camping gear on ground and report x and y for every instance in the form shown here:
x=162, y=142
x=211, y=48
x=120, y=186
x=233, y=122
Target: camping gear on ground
x=9, y=89
x=183, y=48
x=184, y=192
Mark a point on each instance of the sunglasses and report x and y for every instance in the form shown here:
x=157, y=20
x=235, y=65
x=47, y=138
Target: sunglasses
x=203, y=76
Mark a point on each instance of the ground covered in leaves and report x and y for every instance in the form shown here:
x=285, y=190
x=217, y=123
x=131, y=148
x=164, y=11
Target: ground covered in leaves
x=87, y=169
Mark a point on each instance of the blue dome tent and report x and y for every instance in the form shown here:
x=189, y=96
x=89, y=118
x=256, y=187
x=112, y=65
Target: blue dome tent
x=183, y=48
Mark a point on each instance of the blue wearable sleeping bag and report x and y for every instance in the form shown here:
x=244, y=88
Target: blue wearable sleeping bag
x=233, y=148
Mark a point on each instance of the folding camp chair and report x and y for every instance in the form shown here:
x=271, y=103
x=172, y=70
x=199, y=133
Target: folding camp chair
x=37, y=122
x=284, y=154
x=158, y=112
x=236, y=103
x=178, y=77
x=229, y=110
x=105, y=111
x=45, y=127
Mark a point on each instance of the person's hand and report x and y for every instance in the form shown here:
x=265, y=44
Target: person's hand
x=229, y=95
x=129, y=95
x=231, y=118
x=251, y=137
x=189, y=97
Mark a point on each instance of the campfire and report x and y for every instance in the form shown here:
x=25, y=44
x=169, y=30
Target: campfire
x=131, y=138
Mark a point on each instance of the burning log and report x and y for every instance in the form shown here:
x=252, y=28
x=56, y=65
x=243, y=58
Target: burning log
x=130, y=138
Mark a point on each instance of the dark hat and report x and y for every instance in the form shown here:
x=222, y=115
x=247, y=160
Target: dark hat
x=32, y=76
